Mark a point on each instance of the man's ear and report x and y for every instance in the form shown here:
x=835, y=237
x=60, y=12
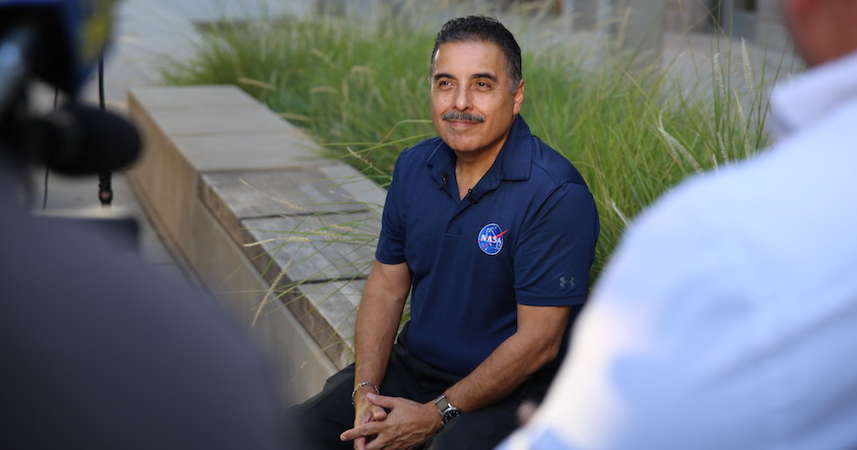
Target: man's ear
x=518, y=97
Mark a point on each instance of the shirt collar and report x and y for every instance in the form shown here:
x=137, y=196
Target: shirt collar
x=517, y=154
x=807, y=98
x=512, y=164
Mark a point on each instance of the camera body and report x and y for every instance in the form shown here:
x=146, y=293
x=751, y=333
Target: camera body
x=70, y=37
x=60, y=42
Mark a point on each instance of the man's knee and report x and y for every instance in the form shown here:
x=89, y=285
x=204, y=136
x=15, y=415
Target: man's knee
x=321, y=419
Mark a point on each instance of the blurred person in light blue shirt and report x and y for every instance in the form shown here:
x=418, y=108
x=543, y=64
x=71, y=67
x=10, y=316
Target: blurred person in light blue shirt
x=728, y=316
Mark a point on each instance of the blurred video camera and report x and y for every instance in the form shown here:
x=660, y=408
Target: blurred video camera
x=59, y=42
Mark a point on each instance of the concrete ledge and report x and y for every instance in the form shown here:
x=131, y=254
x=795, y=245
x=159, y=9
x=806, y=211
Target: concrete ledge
x=246, y=201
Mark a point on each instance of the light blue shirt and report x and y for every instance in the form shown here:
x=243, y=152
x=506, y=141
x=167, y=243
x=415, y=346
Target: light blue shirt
x=727, y=318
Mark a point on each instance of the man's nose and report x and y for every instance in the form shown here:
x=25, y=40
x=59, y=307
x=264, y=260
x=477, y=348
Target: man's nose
x=462, y=98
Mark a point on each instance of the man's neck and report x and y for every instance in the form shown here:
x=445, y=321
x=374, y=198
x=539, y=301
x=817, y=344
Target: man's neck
x=470, y=167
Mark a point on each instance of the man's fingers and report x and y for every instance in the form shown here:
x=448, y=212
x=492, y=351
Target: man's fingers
x=367, y=429
x=360, y=443
x=379, y=442
x=382, y=401
x=365, y=417
x=378, y=414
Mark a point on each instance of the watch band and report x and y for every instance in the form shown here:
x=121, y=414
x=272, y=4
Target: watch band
x=446, y=409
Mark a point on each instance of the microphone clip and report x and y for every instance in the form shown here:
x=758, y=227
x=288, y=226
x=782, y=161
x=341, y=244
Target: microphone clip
x=443, y=179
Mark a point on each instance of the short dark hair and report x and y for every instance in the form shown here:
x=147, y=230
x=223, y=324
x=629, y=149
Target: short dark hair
x=481, y=28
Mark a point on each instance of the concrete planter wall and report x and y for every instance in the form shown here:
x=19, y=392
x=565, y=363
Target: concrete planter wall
x=245, y=200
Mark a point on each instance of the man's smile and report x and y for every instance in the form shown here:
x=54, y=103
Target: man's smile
x=462, y=120
x=462, y=124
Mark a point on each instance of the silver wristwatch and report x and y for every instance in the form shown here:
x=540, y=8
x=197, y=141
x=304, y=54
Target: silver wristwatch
x=446, y=410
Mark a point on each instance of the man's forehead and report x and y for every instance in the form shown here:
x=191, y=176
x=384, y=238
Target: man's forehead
x=469, y=56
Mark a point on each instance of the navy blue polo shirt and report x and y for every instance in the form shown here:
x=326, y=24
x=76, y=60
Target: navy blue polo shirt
x=525, y=234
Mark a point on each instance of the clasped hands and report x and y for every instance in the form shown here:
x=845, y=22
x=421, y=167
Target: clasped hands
x=391, y=423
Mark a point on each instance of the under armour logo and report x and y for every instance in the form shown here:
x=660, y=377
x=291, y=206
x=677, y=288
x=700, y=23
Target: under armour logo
x=566, y=282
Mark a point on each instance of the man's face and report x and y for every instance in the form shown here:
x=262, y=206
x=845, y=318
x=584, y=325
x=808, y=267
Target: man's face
x=473, y=102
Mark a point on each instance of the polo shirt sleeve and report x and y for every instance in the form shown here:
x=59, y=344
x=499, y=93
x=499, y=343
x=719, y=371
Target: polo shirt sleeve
x=391, y=242
x=555, y=249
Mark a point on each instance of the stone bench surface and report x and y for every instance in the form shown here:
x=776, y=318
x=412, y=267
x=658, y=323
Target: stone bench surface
x=308, y=224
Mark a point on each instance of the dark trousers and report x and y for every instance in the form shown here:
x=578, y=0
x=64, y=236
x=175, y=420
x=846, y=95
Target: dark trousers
x=325, y=416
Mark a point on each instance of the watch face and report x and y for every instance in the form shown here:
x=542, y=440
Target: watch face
x=447, y=410
x=449, y=414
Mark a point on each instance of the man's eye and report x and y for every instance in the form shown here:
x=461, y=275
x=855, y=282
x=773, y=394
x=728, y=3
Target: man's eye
x=444, y=83
x=482, y=84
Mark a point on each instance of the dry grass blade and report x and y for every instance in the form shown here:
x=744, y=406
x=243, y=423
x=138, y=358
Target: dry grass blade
x=256, y=83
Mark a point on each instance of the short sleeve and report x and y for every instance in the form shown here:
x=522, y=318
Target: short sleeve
x=391, y=242
x=555, y=250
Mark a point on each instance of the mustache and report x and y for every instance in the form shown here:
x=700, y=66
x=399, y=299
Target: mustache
x=456, y=115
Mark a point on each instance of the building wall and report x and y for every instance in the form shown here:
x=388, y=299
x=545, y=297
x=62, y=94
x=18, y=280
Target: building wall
x=687, y=15
x=700, y=15
x=771, y=29
x=691, y=16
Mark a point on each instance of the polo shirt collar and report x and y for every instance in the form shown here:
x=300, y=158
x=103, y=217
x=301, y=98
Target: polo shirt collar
x=809, y=97
x=516, y=158
x=513, y=163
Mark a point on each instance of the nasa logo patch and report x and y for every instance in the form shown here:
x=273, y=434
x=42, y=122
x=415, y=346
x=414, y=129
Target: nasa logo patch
x=490, y=239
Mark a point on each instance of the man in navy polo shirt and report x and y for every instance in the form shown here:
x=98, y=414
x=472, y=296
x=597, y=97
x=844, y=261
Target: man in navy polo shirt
x=493, y=233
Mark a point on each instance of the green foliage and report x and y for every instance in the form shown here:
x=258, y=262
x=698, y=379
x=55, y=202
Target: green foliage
x=362, y=91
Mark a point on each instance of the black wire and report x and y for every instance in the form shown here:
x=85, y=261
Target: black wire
x=105, y=190
x=101, y=82
x=45, y=193
x=47, y=171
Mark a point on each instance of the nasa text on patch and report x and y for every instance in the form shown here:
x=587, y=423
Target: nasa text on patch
x=490, y=239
